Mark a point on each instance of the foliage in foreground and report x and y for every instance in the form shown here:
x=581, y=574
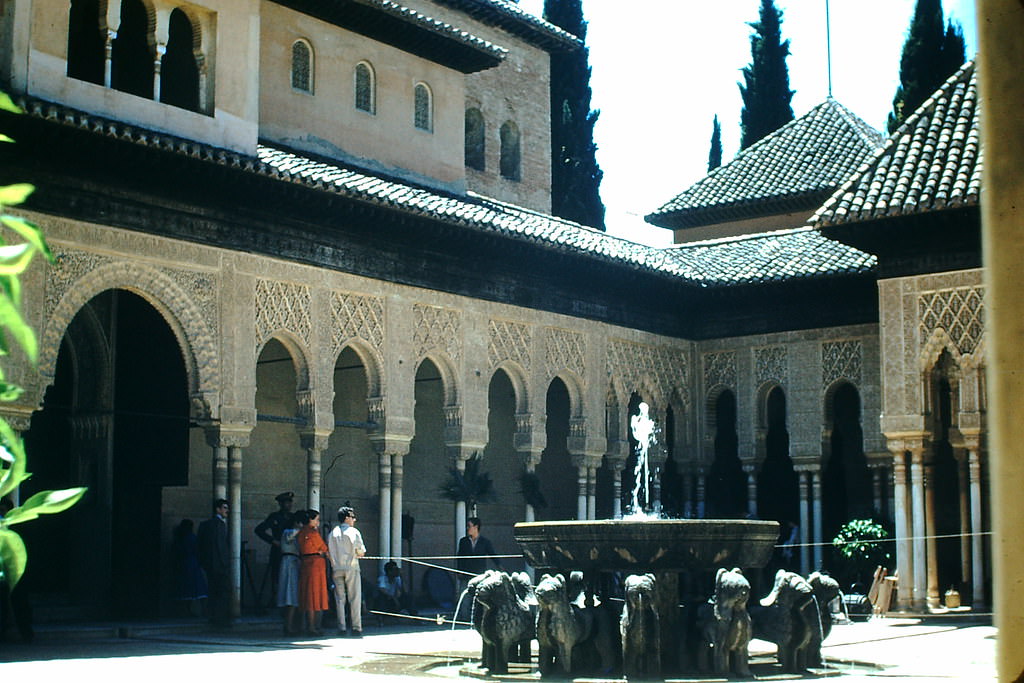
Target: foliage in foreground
x=14, y=259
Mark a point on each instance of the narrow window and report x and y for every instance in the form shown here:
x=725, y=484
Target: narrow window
x=86, y=49
x=424, y=115
x=179, y=73
x=131, y=58
x=510, y=154
x=302, y=66
x=475, y=139
x=366, y=99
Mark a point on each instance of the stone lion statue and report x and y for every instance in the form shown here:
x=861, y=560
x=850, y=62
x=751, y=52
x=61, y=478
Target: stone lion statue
x=787, y=617
x=725, y=624
x=561, y=625
x=505, y=619
x=640, y=628
x=825, y=589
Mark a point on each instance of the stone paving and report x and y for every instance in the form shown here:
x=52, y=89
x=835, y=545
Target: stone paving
x=882, y=649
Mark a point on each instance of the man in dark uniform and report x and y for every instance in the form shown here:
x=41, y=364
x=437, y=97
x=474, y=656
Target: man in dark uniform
x=270, y=530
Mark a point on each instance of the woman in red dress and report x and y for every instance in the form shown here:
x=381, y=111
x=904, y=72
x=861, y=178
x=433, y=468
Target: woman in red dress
x=313, y=599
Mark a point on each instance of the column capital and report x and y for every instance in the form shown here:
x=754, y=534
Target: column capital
x=315, y=439
x=390, y=444
x=228, y=435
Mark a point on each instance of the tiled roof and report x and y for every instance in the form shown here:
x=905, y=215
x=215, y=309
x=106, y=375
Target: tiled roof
x=513, y=18
x=400, y=11
x=768, y=257
x=762, y=258
x=932, y=162
x=787, y=170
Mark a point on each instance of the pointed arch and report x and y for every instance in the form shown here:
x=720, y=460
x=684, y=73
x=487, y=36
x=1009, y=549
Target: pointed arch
x=517, y=376
x=202, y=362
x=86, y=41
x=446, y=368
x=179, y=70
x=297, y=350
x=132, y=51
x=371, y=361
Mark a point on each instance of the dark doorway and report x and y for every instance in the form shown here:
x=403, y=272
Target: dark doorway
x=86, y=48
x=778, y=494
x=727, y=484
x=556, y=472
x=846, y=493
x=179, y=74
x=116, y=419
x=946, y=494
x=131, y=57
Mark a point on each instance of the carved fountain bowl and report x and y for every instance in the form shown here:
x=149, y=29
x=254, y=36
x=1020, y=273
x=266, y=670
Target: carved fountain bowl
x=647, y=545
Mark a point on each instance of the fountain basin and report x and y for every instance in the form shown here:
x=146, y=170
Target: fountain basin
x=647, y=545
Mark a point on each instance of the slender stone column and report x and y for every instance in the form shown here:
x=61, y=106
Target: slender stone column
x=751, y=471
x=161, y=50
x=816, y=506
x=918, y=528
x=876, y=484
x=384, y=490
x=591, y=493
x=930, y=545
x=699, y=512
x=979, y=599
x=397, y=480
x=581, y=492
x=315, y=444
x=617, y=465
x=108, y=51
x=460, y=509
x=904, y=559
x=965, y=515
x=220, y=472
x=235, y=525
x=805, y=514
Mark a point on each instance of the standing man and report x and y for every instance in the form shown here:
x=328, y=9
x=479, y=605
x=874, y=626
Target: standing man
x=270, y=530
x=215, y=558
x=474, y=550
x=345, y=547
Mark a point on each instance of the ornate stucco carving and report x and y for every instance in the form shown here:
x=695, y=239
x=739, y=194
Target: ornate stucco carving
x=354, y=315
x=564, y=350
x=720, y=369
x=507, y=340
x=636, y=364
x=771, y=364
x=959, y=311
x=435, y=327
x=841, y=360
x=282, y=306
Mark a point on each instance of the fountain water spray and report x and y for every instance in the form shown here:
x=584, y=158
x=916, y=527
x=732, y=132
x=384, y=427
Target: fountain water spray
x=642, y=426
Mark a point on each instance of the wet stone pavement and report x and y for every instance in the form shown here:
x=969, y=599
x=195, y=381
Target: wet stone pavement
x=913, y=649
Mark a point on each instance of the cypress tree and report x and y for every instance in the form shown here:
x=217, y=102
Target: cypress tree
x=575, y=174
x=715, y=155
x=765, y=87
x=932, y=52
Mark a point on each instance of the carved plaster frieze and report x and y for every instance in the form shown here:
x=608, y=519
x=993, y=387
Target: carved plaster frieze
x=842, y=360
x=720, y=369
x=282, y=306
x=435, y=327
x=771, y=364
x=636, y=365
x=959, y=312
x=356, y=316
x=564, y=350
x=509, y=341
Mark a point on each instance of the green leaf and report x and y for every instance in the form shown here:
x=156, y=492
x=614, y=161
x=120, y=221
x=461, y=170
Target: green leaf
x=15, y=194
x=6, y=138
x=10, y=392
x=14, y=258
x=31, y=232
x=7, y=104
x=45, y=503
x=12, y=450
x=11, y=318
x=13, y=556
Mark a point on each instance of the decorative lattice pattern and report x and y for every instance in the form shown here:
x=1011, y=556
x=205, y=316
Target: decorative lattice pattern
x=959, y=311
x=666, y=367
x=565, y=350
x=841, y=360
x=720, y=369
x=282, y=306
x=356, y=316
x=508, y=340
x=771, y=364
x=436, y=328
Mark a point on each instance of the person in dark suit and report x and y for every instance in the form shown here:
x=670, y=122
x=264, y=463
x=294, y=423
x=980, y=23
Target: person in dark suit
x=474, y=550
x=270, y=530
x=215, y=558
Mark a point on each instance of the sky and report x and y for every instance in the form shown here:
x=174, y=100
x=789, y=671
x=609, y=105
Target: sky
x=662, y=69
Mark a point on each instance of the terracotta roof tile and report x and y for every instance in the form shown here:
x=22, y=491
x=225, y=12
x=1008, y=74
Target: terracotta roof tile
x=932, y=162
x=793, y=166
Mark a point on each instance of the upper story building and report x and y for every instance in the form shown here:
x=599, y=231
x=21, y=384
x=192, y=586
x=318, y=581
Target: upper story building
x=452, y=95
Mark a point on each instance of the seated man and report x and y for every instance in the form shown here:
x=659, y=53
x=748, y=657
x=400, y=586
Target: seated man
x=391, y=595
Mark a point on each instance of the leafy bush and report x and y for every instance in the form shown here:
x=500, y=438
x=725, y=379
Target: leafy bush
x=14, y=259
x=861, y=545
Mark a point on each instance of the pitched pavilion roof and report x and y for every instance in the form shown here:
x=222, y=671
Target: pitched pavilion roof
x=769, y=257
x=792, y=169
x=508, y=15
x=932, y=162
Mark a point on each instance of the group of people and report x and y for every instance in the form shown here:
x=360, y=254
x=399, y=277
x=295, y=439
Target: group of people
x=299, y=561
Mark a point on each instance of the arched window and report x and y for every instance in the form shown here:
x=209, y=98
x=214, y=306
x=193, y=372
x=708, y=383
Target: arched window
x=366, y=88
x=131, y=58
x=475, y=139
x=510, y=154
x=86, y=49
x=424, y=118
x=179, y=73
x=302, y=66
